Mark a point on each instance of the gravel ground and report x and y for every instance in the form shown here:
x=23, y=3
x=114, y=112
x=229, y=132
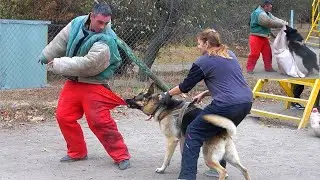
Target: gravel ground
x=268, y=150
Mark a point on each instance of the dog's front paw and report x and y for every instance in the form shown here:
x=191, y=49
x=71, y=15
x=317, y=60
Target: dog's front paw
x=160, y=170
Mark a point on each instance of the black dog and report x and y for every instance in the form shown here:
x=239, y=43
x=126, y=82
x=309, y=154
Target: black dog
x=309, y=58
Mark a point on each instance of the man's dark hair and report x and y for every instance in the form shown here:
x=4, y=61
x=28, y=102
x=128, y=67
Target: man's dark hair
x=265, y=2
x=102, y=8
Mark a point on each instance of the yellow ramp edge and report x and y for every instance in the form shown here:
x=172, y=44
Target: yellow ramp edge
x=286, y=85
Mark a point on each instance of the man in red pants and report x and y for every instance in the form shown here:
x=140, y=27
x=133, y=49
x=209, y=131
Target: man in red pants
x=261, y=20
x=85, y=51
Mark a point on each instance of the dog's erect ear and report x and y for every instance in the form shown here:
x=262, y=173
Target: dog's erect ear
x=151, y=88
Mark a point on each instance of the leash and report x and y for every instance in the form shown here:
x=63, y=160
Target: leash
x=182, y=111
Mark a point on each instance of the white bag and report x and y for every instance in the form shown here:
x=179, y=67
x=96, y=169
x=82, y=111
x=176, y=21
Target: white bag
x=315, y=121
x=285, y=60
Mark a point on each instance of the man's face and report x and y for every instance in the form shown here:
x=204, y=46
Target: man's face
x=98, y=22
x=267, y=7
x=202, y=46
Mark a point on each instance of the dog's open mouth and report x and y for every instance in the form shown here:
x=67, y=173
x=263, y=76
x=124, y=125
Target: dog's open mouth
x=132, y=104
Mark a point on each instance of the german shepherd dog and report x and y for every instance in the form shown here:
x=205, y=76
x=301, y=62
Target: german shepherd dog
x=173, y=125
x=309, y=58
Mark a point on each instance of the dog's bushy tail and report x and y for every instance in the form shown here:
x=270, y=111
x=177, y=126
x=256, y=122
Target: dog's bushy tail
x=222, y=122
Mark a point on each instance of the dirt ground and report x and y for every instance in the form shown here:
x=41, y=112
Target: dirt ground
x=268, y=150
x=31, y=143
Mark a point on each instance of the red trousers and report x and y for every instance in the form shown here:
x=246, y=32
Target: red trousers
x=259, y=45
x=95, y=101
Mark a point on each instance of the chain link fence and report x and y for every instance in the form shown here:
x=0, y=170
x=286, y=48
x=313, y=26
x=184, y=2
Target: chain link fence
x=161, y=33
x=21, y=42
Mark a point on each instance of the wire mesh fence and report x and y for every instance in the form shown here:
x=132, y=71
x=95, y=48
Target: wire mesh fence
x=21, y=43
x=161, y=33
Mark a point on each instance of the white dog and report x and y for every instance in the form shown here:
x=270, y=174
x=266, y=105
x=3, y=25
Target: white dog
x=315, y=121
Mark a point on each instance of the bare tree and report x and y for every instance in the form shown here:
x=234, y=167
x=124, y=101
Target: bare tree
x=170, y=13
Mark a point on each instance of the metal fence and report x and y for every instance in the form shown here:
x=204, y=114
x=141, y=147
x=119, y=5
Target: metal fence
x=21, y=42
x=165, y=35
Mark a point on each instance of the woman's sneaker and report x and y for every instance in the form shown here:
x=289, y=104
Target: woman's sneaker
x=297, y=106
x=213, y=173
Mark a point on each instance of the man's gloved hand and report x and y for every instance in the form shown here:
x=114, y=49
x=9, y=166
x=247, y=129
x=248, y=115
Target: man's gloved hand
x=43, y=60
x=165, y=98
x=272, y=35
x=285, y=23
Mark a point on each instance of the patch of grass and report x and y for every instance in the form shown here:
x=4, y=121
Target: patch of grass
x=181, y=54
x=177, y=54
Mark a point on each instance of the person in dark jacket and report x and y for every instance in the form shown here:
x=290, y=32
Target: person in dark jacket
x=232, y=97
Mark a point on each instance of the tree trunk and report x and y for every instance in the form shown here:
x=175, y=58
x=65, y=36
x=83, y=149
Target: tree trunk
x=168, y=10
